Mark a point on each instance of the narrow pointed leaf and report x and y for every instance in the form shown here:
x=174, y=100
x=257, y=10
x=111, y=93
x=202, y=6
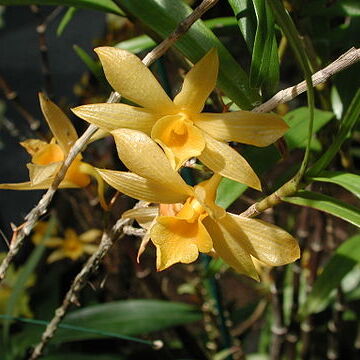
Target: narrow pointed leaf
x=296, y=136
x=348, y=181
x=327, y=204
x=346, y=256
x=264, y=70
x=65, y=20
x=131, y=317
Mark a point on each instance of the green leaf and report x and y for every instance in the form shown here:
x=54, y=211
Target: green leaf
x=100, y=5
x=346, y=256
x=145, y=42
x=297, y=120
x=287, y=26
x=348, y=181
x=327, y=204
x=351, y=117
x=264, y=70
x=245, y=14
x=162, y=17
x=131, y=317
x=65, y=20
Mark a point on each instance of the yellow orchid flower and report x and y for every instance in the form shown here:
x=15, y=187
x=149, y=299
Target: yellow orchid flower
x=188, y=221
x=46, y=158
x=179, y=126
x=73, y=246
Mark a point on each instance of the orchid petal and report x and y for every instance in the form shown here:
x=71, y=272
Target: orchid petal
x=56, y=255
x=90, y=235
x=178, y=240
x=99, y=134
x=60, y=125
x=180, y=139
x=28, y=185
x=221, y=158
x=228, y=245
x=114, y=116
x=90, y=249
x=49, y=153
x=32, y=146
x=144, y=157
x=243, y=126
x=199, y=82
x=144, y=216
x=268, y=243
x=205, y=193
x=140, y=188
x=40, y=173
x=132, y=79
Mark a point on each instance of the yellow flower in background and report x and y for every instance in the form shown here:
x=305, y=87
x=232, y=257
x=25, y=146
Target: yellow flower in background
x=192, y=222
x=179, y=126
x=47, y=158
x=72, y=245
x=6, y=288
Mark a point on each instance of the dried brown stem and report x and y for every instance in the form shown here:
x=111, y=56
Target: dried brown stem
x=41, y=29
x=345, y=60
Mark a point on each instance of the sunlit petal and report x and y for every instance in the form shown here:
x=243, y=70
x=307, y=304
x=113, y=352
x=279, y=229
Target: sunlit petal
x=32, y=146
x=90, y=235
x=221, y=158
x=199, y=82
x=40, y=173
x=243, y=126
x=228, y=245
x=49, y=153
x=114, y=116
x=178, y=240
x=140, y=188
x=179, y=136
x=60, y=125
x=269, y=243
x=133, y=80
x=205, y=193
x=144, y=157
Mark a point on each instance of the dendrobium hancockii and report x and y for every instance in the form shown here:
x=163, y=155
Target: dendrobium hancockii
x=178, y=126
x=187, y=220
x=46, y=158
x=73, y=246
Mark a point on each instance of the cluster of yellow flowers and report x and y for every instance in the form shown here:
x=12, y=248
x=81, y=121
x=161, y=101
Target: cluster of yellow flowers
x=154, y=141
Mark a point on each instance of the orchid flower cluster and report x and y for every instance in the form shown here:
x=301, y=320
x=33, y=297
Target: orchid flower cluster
x=154, y=140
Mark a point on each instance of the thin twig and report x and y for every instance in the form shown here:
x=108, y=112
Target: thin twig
x=79, y=282
x=345, y=60
x=41, y=29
